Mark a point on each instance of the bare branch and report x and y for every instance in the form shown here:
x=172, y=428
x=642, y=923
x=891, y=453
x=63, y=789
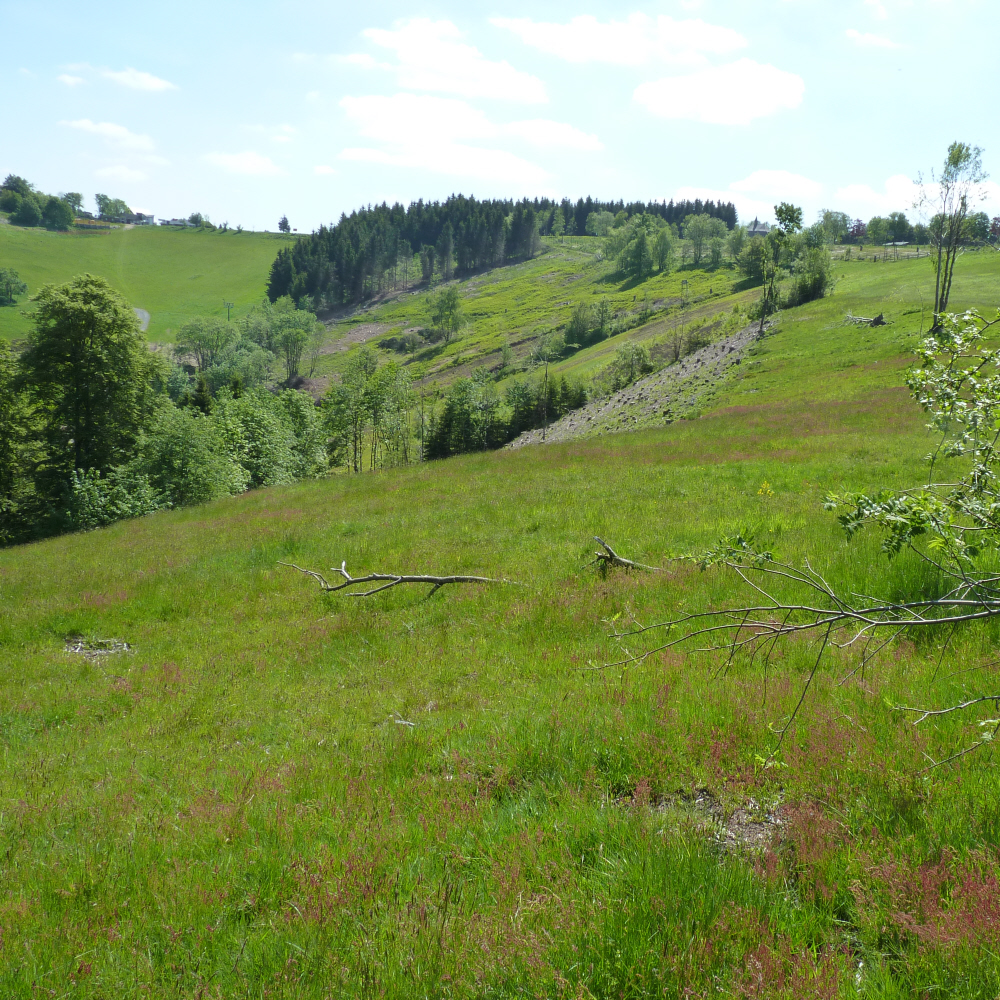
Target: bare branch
x=926, y=712
x=388, y=580
x=611, y=558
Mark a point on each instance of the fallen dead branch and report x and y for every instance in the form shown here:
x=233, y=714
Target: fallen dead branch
x=611, y=558
x=878, y=320
x=388, y=580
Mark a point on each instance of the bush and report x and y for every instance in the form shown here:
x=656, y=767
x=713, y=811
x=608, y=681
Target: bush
x=751, y=259
x=812, y=278
x=257, y=437
x=243, y=360
x=57, y=214
x=122, y=493
x=28, y=213
x=580, y=323
x=185, y=458
x=10, y=201
x=631, y=362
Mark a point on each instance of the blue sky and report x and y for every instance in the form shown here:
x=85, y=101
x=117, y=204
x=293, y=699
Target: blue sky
x=245, y=111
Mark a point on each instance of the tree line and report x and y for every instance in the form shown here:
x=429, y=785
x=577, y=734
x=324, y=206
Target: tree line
x=378, y=248
x=30, y=207
x=94, y=427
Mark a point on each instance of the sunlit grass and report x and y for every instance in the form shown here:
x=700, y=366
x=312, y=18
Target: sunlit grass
x=280, y=794
x=175, y=275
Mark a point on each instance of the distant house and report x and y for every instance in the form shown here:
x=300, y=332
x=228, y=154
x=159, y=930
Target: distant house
x=757, y=228
x=130, y=219
x=174, y=222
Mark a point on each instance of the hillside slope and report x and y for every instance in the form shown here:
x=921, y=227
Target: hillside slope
x=173, y=274
x=277, y=793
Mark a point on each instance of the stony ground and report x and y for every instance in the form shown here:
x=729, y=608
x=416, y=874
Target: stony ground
x=657, y=399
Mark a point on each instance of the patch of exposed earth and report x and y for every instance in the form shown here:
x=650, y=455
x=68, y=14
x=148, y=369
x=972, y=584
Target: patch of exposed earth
x=753, y=826
x=359, y=334
x=95, y=649
x=316, y=387
x=655, y=400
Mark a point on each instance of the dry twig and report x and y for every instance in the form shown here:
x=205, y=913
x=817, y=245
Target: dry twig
x=388, y=580
x=611, y=558
x=878, y=320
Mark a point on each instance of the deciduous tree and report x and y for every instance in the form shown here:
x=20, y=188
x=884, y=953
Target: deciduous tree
x=448, y=313
x=11, y=285
x=88, y=368
x=959, y=187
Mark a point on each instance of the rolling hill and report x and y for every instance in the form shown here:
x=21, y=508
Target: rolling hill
x=173, y=274
x=271, y=792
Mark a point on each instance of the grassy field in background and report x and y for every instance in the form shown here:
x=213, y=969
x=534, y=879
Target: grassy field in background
x=280, y=794
x=520, y=303
x=174, y=274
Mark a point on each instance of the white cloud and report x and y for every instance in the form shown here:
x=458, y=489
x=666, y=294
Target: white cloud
x=861, y=200
x=434, y=134
x=734, y=94
x=755, y=196
x=117, y=134
x=870, y=41
x=413, y=119
x=362, y=60
x=748, y=208
x=406, y=119
x=633, y=42
x=554, y=135
x=456, y=160
x=70, y=81
x=432, y=56
x=778, y=185
x=120, y=172
x=247, y=163
x=138, y=80
x=322, y=170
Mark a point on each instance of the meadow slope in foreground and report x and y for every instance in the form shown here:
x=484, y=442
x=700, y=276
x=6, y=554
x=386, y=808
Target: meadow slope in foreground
x=277, y=794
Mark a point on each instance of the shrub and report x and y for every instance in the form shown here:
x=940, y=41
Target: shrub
x=243, y=360
x=27, y=213
x=185, y=458
x=122, y=493
x=57, y=214
x=580, y=323
x=10, y=201
x=812, y=277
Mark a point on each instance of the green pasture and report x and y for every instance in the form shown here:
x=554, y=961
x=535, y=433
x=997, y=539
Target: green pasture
x=174, y=274
x=281, y=794
x=518, y=303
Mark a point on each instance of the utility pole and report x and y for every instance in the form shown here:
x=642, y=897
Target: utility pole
x=228, y=305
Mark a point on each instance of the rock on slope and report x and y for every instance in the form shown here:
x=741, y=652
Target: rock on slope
x=654, y=400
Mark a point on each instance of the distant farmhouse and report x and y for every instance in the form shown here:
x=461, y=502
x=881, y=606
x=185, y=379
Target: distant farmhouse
x=757, y=228
x=128, y=218
x=175, y=222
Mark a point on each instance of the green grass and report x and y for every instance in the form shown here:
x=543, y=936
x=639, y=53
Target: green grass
x=173, y=274
x=236, y=809
x=518, y=303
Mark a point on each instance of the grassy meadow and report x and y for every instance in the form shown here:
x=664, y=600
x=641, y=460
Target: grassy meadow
x=174, y=274
x=278, y=793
